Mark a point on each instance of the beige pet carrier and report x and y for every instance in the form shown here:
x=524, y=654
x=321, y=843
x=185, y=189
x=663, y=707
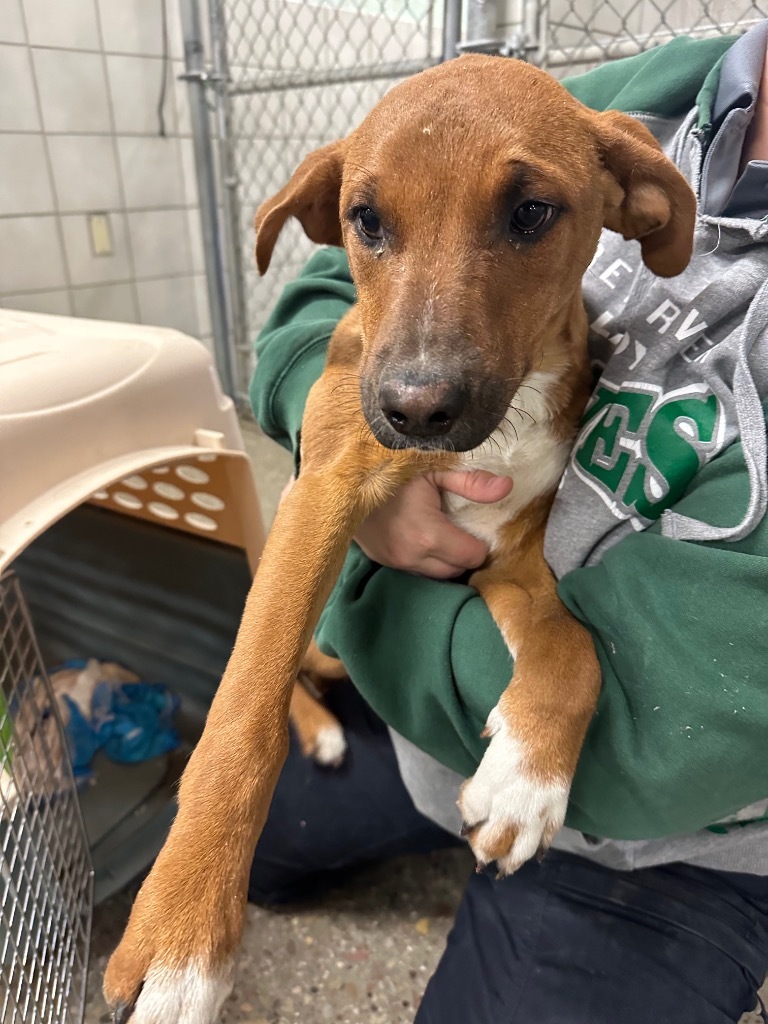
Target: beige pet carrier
x=129, y=519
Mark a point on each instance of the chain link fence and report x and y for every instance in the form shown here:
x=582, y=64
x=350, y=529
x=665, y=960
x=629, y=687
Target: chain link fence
x=570, y=36
x=291, y=76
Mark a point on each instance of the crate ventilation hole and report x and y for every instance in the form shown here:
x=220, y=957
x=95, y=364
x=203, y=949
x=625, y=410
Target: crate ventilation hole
x=129, y=489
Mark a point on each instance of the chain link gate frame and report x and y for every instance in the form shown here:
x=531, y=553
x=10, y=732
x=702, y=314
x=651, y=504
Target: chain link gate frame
x=284, y=77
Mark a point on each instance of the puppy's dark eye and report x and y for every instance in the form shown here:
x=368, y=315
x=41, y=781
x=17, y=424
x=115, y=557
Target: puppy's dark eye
x=369, y=224
x=530, y=217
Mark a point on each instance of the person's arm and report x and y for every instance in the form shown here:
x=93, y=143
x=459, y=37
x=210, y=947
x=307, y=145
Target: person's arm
x=291, y=347
x=681, y=630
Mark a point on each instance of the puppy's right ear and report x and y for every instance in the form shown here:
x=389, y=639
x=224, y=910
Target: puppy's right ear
x=312, y=196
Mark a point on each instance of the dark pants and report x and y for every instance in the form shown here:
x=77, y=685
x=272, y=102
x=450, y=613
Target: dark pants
x=563, y=942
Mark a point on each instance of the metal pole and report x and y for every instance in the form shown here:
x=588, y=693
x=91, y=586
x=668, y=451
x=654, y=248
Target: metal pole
x=482, y=20
x=197, y=77
x=231, y=221
x=451, y=28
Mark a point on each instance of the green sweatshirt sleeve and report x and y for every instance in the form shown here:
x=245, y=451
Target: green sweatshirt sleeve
x=665, y=80
x=681, y=631
x=291, y=348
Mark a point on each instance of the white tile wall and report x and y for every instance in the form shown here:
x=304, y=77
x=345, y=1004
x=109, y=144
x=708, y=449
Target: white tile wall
x=106, y=302
x=175, y=35
x=84, y=172
x=79, y=87
x=169, y=302
x=58, y=302
x=73, y=92
x=71, y=26
x=13, y=23
x=132, y=26
x=25, y=185
x=31, y=256
x=160, y=243
x=18, y=105
x=84, y=267
x=134, y=85
x=151, y=170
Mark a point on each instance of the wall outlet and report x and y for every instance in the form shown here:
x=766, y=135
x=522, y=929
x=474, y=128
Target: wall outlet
x=100, y=234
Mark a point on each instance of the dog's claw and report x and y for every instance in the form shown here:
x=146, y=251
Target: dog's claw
x=541, y=852
x=480, y=867
x=122, y=1012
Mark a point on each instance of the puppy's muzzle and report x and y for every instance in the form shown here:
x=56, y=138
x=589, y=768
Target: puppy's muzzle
x=422, y=408
x=431, y=410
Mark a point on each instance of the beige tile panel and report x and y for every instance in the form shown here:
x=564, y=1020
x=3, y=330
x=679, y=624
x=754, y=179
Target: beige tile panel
x=151, y=171
x=18, y=105
x=160, y=243
x=57, y=302
x=106, y=302
x=134, y=85
x=25, y=185
x=30, y=255
x=73, y=93
x=169, y=302
x=84, y=172
x=70, y=25
x=12, y=23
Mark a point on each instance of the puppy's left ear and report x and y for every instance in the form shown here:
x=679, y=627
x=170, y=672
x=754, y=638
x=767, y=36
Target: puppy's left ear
x=654, y=203
x=311, y=196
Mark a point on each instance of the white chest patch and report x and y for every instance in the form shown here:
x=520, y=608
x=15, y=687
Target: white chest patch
x=523, y=447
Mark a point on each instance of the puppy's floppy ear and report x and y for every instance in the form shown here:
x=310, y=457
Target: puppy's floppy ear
x=654, y=203
x=312, y=196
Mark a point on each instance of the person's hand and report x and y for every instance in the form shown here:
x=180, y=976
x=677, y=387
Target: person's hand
x=411, y=532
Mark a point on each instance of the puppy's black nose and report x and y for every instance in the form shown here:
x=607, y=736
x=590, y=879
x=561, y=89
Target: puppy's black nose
x=425, y=408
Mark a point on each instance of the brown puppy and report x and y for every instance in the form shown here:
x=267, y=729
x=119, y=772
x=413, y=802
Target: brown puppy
x=470, y=203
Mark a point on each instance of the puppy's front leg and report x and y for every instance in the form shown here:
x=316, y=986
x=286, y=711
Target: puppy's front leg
x=516, y=802
x=174, y=964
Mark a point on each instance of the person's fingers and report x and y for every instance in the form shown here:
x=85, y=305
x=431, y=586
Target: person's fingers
x=474, y=485
x=456, y=547
x=436, y=569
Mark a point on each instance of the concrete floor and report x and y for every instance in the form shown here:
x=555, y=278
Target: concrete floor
x=362, y=954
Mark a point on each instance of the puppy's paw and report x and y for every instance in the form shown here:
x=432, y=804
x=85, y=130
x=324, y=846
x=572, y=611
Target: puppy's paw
x=330, y=746
x=175, y=963
x=179, y=995
x=508, y=814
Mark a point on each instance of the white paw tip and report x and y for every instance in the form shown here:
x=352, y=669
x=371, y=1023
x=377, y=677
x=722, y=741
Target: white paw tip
x=503, y=799
x=187, y=995
x=330, y=747
x=495, y=722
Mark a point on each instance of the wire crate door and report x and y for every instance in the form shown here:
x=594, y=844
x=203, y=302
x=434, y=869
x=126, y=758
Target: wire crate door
x=45, y=870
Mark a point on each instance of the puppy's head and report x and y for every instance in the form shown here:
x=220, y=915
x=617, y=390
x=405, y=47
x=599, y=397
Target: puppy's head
x=470, y=202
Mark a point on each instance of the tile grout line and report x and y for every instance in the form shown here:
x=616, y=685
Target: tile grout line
x=49, y=167
x=118, y=165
